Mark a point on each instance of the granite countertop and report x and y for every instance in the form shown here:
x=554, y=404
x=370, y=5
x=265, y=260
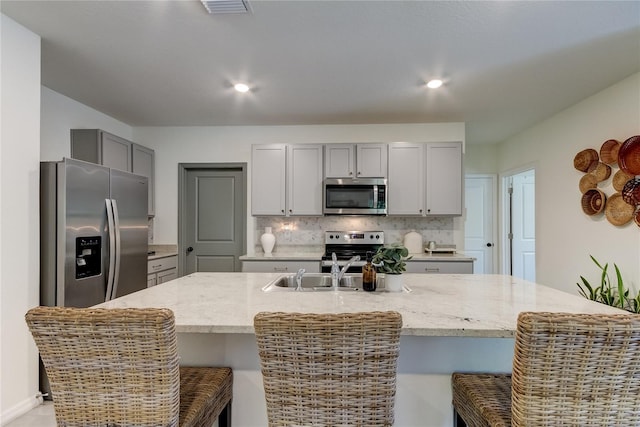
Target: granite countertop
x=317, y=255
x=283, y=256
x=162, y=251
x=445, y=305
x=440, y=257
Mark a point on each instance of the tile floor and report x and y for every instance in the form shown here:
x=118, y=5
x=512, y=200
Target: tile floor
x=40, y=416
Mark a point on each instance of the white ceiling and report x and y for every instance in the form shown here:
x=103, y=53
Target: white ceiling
x=507, y=64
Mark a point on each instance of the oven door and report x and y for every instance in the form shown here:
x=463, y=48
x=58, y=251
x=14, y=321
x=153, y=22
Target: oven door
x=355, y=197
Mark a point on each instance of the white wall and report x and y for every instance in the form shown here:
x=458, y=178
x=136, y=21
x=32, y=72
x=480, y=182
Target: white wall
x=565, y=236
x=175, y=145
x=19, y=189
x=60, y=114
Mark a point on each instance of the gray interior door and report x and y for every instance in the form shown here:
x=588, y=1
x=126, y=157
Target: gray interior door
x=213, y=217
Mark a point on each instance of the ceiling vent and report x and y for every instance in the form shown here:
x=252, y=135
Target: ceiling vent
x=216, y=7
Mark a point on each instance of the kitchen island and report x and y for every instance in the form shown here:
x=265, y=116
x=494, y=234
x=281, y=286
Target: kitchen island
x=450, y=323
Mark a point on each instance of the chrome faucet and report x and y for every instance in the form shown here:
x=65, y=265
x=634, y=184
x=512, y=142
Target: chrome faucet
x=336, y=272
x=299, y=279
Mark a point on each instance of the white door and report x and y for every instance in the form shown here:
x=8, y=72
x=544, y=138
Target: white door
x=479, y=224
x=523, y=226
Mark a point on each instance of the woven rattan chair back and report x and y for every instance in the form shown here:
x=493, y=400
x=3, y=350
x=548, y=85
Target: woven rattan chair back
x=329, y=369
x=576, y=369
x=109, y=367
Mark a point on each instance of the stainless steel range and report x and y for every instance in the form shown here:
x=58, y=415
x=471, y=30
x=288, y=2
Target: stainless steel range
x=347, y=244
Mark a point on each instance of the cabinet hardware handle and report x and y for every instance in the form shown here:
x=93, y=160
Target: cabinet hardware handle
x=189, y=249
x=432, y=269
x=489, y=245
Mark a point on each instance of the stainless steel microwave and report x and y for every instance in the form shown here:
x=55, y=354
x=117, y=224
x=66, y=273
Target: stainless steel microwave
x=361, y=196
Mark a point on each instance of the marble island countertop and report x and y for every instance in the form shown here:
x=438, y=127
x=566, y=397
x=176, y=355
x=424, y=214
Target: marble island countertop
x=444, y=305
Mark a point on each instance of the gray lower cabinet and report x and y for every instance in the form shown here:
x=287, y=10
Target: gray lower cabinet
x=162, y=270
x=440, y=267
x=275, y=266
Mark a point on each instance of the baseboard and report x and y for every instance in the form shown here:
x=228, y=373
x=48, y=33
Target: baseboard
x=20, y=409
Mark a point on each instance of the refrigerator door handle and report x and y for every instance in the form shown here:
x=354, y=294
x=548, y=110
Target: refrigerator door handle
x=116, y=221
x=112, y=250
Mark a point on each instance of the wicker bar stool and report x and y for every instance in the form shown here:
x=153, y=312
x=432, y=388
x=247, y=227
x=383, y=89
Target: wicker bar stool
x=329, y=369
x=568, y=369
x=111, y=367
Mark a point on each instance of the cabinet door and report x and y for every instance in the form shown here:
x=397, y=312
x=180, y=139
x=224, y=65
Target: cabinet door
x=339, y=160
x=103, y=148
x=444, y=178
x=304, y=177
x=151, y=280
x=268, y=164
x=116, y=152
x=143, y=163
x=165, y=276
x=436, y=267
x=405, y=194
x=371, y=160
x=280, y=266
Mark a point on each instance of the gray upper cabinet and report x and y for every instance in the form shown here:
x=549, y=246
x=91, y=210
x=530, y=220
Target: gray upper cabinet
x=355, y=161
x=443, y=178
x=104, y=148
x=425, y=179
x=286, y=180
x=405, y=195
x=268, y=179
x=143, y=163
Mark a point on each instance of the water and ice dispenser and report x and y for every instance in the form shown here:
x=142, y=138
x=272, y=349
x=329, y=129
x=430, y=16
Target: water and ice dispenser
x=88, y=256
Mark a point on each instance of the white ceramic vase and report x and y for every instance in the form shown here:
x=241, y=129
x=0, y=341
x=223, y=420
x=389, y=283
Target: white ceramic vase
x=393, y=282
x=268, y=240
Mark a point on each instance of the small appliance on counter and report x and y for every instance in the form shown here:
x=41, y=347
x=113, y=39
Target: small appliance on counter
x=413, y=242
x=432, y=248
x=347, y=244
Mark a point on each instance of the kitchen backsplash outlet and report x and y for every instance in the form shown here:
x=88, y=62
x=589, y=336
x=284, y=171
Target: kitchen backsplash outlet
x=292, y=234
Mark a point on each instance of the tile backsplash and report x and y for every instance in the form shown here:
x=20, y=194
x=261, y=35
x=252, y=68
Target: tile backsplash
x=294, y=232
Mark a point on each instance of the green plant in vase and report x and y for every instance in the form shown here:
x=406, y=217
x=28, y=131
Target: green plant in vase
x=391, y=260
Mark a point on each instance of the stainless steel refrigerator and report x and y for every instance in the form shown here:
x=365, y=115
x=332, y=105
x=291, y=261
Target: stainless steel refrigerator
x=93, y=233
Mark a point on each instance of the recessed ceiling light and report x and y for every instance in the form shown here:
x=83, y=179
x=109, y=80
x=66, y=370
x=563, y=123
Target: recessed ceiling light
x=434, y=84
x=241, y=87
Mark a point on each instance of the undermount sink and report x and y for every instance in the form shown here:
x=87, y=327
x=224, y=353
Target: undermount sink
x=319, y=282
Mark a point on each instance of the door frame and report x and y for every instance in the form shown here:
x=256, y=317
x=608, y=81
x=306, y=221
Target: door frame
x=494, y=210
x=183, y=170
x=505, y=215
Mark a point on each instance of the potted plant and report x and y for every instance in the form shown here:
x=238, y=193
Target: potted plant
x=391, y=260
x=607, y=293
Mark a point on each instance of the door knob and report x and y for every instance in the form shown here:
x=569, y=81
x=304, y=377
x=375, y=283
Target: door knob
x=489, y=245
x=189, y=249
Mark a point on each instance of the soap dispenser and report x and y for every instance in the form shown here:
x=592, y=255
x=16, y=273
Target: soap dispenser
x=369, y=275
